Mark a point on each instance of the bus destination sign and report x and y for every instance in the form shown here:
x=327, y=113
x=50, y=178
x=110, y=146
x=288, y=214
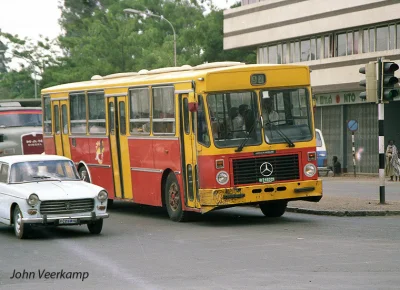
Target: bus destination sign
x=258, y=79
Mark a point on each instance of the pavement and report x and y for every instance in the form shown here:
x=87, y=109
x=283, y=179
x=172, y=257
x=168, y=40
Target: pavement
x=352, y=196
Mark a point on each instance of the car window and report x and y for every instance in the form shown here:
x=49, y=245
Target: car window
x=4, y=173
x=43, y=171
x=319, y=140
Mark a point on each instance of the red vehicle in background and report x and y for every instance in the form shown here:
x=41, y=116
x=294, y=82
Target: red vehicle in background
x=20, y=129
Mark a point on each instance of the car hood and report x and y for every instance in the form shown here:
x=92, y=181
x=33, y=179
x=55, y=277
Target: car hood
x=58, y=190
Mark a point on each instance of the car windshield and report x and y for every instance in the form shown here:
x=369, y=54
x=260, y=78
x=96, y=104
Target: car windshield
x=20, y=118
x=49, y=170
x=234, y=118
x=286, y=115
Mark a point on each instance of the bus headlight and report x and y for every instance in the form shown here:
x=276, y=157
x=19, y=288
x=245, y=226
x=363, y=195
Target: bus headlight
x=33, y=199
x=102, y=196
x=310, y=170
x=222, y=177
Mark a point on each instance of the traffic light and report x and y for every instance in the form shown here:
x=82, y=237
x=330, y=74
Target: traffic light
x=370, y=94
x=388, y=81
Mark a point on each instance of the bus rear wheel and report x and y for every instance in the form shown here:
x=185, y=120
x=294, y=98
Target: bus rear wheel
x=173, y=201
x=273, y=208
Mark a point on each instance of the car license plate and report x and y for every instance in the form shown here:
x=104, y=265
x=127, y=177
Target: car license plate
x=67, y=221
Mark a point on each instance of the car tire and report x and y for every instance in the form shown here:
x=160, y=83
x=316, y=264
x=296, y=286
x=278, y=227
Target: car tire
x=95, y=227
x=83, y=172
x=173, y=202
x=20, y=229
x=273, y=208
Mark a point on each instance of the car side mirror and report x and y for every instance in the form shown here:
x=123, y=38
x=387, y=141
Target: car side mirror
x=1, y=137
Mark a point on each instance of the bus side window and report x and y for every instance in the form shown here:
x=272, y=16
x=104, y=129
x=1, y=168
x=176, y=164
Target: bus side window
x=139, y=111
x=202, y=131
x=97, y=118
x=77, y=112
x=164, y=110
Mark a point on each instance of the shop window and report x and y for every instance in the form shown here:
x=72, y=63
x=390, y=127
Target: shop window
x=382, y=38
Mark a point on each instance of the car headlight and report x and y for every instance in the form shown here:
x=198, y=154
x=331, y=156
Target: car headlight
x=222, y=177
x=102, y=196
x=33, y=199
x=310, y=170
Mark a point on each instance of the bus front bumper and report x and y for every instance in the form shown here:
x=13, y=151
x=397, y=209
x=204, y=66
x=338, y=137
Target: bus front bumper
x=310, y=190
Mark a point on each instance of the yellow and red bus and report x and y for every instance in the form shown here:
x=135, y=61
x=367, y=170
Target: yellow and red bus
x=191, y=139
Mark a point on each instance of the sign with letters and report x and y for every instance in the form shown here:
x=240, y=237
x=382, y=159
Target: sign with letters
x=340, y=98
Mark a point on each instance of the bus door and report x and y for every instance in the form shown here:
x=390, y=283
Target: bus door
x=189, y=159
x=61, y=130
x=117, y=126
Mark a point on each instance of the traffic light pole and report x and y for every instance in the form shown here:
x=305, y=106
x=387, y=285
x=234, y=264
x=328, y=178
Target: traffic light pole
x=381, y=120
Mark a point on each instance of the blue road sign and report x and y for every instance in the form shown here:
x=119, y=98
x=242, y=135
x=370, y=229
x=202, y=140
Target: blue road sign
x=352, y=125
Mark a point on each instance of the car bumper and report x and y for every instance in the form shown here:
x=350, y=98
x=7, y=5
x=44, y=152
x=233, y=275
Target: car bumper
x=55, y=219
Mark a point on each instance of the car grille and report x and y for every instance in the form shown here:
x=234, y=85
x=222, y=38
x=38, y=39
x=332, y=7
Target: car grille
x=246, y=171
x=66, y=206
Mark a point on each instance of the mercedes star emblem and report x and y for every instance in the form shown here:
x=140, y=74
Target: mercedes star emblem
x=266, y=169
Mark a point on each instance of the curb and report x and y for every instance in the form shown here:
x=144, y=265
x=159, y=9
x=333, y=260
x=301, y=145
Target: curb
x=341, y=213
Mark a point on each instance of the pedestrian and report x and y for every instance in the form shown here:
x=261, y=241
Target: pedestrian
x=392, y=168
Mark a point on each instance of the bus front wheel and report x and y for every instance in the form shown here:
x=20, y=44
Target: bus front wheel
x=273, y=208
x=173, y=202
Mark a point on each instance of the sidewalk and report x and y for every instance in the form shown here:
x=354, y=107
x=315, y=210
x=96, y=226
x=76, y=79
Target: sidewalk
x=352, y=196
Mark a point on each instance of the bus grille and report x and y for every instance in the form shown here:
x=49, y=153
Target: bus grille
x=246, y=171
x=66, y=206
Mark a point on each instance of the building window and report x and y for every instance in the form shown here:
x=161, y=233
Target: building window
x=78, y=113
x=305, y=48
x=279, y=56
x=356, y=42
x=318, y=55
x=272, y=53
x=382, y=38
x=350, y=43
x=392, y=37
x=327, y=47
x=284, y=53
x=163, y=110
x=372, y=40
x=139, y=102
x=97, y=115
x=341, y=44
x=398, y=36
x=365, y=41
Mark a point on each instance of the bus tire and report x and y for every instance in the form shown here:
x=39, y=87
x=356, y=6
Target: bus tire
x=173, y=201
x=273, y=208
x=83, y=174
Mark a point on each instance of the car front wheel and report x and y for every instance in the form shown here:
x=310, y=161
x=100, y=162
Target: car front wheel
x=20, y=229
x=95, y=227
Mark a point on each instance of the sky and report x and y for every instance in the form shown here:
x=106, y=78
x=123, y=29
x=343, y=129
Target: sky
x=17, y=17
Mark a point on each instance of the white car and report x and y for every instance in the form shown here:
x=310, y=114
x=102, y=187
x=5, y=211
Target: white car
x=46, y=190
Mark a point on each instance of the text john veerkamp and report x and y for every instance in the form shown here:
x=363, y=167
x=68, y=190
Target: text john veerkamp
x=44, y=274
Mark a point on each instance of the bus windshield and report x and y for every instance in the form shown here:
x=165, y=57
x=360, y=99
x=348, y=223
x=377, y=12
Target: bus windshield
x=286, y=115
x=234, y=117
x=20, y=118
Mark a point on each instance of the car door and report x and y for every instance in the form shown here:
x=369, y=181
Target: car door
x=4, y=199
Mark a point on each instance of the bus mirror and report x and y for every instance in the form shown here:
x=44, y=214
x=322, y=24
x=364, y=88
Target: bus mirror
x=193, y=107
x=1, y=137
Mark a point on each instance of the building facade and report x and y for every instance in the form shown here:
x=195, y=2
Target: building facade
x=335, y=39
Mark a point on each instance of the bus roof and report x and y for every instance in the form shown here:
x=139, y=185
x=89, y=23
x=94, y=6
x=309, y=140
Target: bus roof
x=163, y=75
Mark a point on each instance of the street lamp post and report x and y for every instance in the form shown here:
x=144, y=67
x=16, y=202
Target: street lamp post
x=134, y=11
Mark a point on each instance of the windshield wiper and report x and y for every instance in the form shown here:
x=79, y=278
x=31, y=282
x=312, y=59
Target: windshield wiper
x=45, y=177
x=240, y=148
x=286, y=138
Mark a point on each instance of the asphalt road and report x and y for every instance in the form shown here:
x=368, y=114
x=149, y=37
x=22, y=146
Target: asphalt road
x=140, y=248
